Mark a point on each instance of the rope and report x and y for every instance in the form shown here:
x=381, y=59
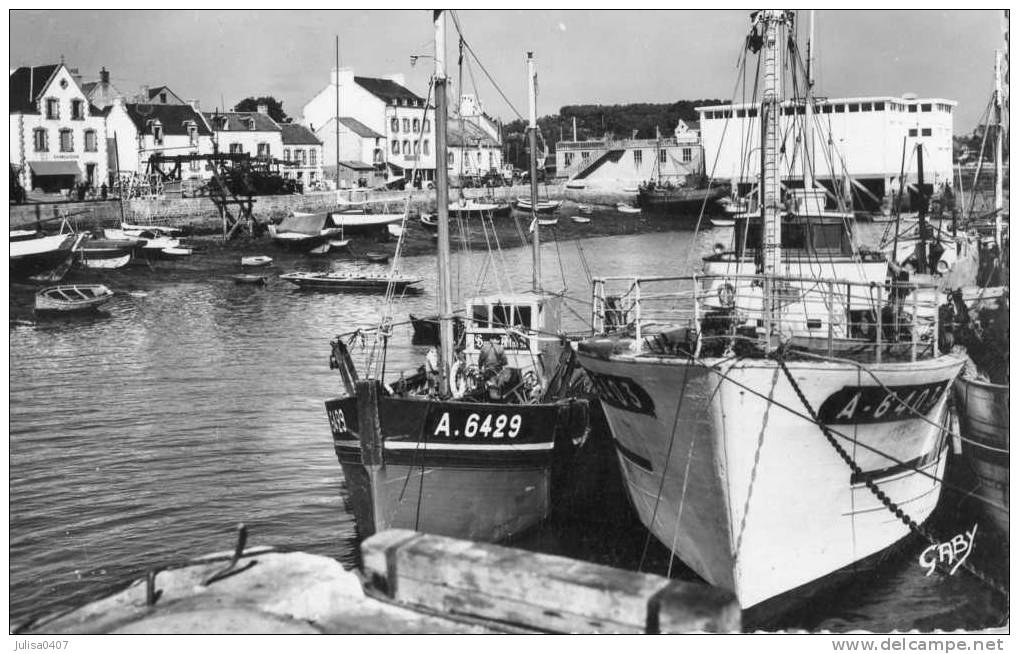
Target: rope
x=753, y=471
x=873, y=487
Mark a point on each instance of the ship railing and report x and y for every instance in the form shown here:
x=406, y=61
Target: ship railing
x=745, y=313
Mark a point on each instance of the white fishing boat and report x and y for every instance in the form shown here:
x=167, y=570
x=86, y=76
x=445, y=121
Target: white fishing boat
x=760, y=416
x=43, y=258
x=622, y=207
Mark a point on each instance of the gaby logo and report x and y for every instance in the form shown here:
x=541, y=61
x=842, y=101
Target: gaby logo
x=953, y=553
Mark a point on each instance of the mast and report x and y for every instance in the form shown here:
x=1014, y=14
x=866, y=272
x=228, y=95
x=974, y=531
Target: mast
x=999, y=203
x=532, y=138
x=771, y=209
x=921, y=225
x=337, y=120
x=445, y=290
x=808, y=114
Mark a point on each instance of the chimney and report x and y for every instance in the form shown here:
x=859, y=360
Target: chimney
x=119, y=102
x=263, y=108
x=75, y=75
x=194, y=105
x=143, y=96
x=104, y=76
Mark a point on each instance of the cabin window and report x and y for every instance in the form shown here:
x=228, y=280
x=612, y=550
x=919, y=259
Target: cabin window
x=424, y=147
x=263, y=150
x=787, y=111
x=450, y=159
x=312, y=157
x=879, y=106
x=286, y=154
x=752, y=112
x=925, y=107
x=687, y=155
x=827, y=236
x=663, y=156
x=77, y=110
x=406, y=124
x=90, y=141
x=40, y=141
x=794, y=236
x=502, y=315
x=866, y=106
x=638, y=157
x=66, y=141
x=854, y=107
x=395, y=147
x=840, y=108
x=741, y=113
x=912, y=132
x=522, y=316
x=52, y=108
x=926, y=131
x=479, y=314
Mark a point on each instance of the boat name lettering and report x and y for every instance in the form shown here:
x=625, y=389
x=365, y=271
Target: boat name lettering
x=953, y=553
x=491, y=426
x=337, y=420
x=867, y=404
x=508, y=341
x=623, y=393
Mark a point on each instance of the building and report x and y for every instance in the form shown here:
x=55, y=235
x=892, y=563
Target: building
x=253, y=132
x=101, y=93
x=677, y=159
x=304, y=152
x=473, y=142
x=382, y=124
x=143, y=129
x=158, y=95
x=57, y=139
x=859, y=137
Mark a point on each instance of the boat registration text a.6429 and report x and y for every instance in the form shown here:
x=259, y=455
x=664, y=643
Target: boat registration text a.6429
x=476, y=425
x=867, y=404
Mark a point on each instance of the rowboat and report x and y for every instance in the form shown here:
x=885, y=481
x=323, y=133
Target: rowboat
x=429, y=222
x=339, y=281
x=576, y=185
x=543, y=206
x=396, y=231
x=71, y=298
x=580, y=220
x=244, y=278
x=622, y=207
x=630, y=189
x=723, y=222
x=548, y=222
x=377, y=257
x=585, y=209
x=104, y=253
x=174, y=252
x=255, y=262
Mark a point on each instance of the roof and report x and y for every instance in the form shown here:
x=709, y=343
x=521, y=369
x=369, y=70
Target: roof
x=171, y=116
x=154, y=91
x=357, y=165
x=466, y=134
x=26, y=85
x=235, y=121
x=387, y=89
x=359, y=128
x=879, y=98
x=294, y=134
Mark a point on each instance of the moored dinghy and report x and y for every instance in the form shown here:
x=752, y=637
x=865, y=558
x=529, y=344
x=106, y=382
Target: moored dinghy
x=72, y=298
x=256, y=261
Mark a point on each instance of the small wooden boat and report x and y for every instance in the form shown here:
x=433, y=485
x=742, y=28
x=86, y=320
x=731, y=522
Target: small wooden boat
x=622, y=207
x=135, y=230
x=723, y=222
x=468, y=208
x=396, y=231
x=174, y=252
x=71, y=298
x=580, y=220
x=256, y=262
x=585, y=209
x=429, y=222
x=543, y=206
x=108, y=254
x=548, y=222
x=245, y=278
x=576, y=185
x=340, y=281
x=376, y=257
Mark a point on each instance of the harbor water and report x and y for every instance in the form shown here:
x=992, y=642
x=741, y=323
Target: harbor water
x=141, y=436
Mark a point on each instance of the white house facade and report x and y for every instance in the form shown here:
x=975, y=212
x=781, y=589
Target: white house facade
x=57, y=139
x=141, y=130
x=302, y=154
x=251, y=132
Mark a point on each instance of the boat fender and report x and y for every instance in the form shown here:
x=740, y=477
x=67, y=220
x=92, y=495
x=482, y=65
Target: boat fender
x=727, y=294
x=457, y=380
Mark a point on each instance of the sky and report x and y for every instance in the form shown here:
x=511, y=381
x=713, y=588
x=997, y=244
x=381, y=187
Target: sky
x=583, y=56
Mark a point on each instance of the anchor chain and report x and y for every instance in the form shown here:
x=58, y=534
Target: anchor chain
x=880, y=494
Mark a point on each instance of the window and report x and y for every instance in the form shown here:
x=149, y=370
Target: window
x=406, y=146
x=427, y=125
x=40, y=140
x=417, y=147
x=663, y=156
x=90, y=141
x=406, y=124
x=66, y=140
x=192, y=134
x=638, y=157
x=752, y=113
x=52, y=108
x=687, y=155
x=741, y=113
x=912, y=108
x=286, y=154
x=235, y=148
x=866, y=106
x=263, y=150
x=568, y=159
x=479, y=313
x=491, y=160
x=925, y=107
x=195, y=165
x=926, y=131
x=394, y=125
x=584, y=156
x=840, y=108
x=302, y=156
x=77, y=110
x=854, y=107
x=879, y=106
x=396, y=147
x=424, y=147
x=787, y=111
x=312, y=157
x=251, y=124
x=449, y=159
x=912, y=132
x=417, y=125
x=162, y=97
x=826, y=108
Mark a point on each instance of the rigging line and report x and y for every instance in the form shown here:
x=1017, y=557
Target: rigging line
x=459, y=30
x=665, y=470
x=682, y=501
x=559, y=257
x=980, y=161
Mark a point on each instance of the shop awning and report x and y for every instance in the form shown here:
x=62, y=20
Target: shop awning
x=49, y=168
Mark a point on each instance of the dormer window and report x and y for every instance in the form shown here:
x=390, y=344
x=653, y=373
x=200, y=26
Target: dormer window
x=157, y=132
x=251, y=124
x=222, y=121
x=77, y=110
x=192, y=132
x=52, y=108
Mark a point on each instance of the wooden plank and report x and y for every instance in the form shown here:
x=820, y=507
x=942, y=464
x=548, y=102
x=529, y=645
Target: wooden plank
x=539, y=591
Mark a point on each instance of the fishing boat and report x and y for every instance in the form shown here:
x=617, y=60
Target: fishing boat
x=467, y=208
x=72, y=298
x=256, y=261
x=362, y=222
x=772, y=400
x=681, y=200
x=349, y=281
x=151, y=242
x=580, y=220
x=622, y=207
x=426, y=330
x=43, y=258
x=454, y=448
x=305, y=231
x=540, y=206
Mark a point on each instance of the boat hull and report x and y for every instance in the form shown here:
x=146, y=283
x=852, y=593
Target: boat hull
x=983, y=421
x=691, y=485
x=45, y=259
x=682, y=202
x=431, y=477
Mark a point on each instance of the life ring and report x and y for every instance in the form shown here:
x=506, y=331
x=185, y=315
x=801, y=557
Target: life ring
x=457, y=380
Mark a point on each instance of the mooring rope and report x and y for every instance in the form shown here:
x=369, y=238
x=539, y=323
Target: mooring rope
x=873, y=487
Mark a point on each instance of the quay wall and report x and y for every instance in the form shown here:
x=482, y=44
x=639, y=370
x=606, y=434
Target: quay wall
x=200, y=213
